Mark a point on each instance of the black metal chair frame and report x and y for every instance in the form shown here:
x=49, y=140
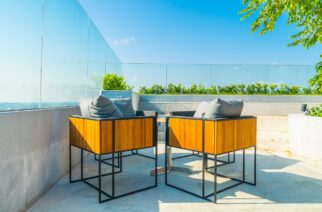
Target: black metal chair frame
x=205, y=168
x=120, y=156
x=198, y=154
x=100, y=160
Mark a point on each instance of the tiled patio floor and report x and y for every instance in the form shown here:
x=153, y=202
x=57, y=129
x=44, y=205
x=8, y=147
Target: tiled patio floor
x=289, y=184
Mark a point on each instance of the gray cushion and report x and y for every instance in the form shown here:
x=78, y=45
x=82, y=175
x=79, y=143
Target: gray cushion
x=201, y=109
x=219, y=108
x=125, y=106
x=99, y=107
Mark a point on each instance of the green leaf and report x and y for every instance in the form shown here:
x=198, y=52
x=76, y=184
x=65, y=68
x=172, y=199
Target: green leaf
x=306, y=15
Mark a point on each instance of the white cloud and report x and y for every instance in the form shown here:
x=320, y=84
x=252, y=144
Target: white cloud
x=123, y=41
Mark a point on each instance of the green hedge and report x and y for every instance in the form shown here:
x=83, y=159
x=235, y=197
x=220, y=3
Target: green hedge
x=237, y=89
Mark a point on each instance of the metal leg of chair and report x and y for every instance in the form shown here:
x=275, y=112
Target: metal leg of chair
x=215, y=180
x=113, y=175
x=156, y=165
x=82, y=163
x=166, y=164
x=243, y=165
x=206, y=164
x=255, y=169
x=99, y=179
x=121, y=162
x=203, y=173
x=70, y=163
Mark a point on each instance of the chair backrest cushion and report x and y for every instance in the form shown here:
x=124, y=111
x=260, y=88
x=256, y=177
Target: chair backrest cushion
x=99, y=107
x=125, y=106
x=219, y=108
x=201, y=109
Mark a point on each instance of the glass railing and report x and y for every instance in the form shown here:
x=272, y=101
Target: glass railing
x=141, y=74
x=51, y=54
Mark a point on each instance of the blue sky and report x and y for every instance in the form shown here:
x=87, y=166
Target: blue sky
x=192, y=31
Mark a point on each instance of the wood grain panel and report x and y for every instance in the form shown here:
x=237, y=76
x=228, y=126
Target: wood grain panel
x=224, y=136
x=176, y=135
x=92, y=135
x=245, y=133
x=133, y=134
x=106, y=133
x=185, y=133
x=210, y=137
x=85, y=134
x=76, y=127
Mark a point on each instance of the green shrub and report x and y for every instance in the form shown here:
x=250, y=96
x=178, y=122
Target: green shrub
x=307, y=91
x=143, y=90
x=185, y=90
x=114, y=82
x=316, y=111
x=284, y=89
x=234, y=89
x=155, y=89
x=242, y=88
x=202, y=89
x=212, y=90
x=295, y=90
x=273, y=88
x=221, y=90
x=251, y=89
x=258, y=88
x=194, y=89
x=174, y=89
x=265, y=88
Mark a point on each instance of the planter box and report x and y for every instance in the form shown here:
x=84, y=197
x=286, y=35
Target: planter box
x=257, y=105
x=123, y=94
x=305, y=137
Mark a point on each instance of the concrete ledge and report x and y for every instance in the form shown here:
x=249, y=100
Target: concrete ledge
x=250, y=108
x=305, y=137
x=33, y=154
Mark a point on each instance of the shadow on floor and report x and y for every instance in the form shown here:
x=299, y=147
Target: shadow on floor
x=279, y=180
x=275, y=183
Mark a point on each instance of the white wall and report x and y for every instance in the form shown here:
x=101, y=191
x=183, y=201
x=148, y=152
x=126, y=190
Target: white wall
x=33, y=154
x=305, y=135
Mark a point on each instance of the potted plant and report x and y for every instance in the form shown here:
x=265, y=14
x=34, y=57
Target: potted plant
x=115, y=86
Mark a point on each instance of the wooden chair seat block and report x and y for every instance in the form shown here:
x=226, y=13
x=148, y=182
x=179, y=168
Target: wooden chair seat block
x=220, y=136
x=97, y=136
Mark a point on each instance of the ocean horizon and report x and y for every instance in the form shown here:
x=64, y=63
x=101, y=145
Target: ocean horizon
x=10, y=106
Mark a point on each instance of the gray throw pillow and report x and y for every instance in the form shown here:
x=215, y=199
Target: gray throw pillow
x=99, y=107
x=219, y=108
x=125, y=106
x=201, y=109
